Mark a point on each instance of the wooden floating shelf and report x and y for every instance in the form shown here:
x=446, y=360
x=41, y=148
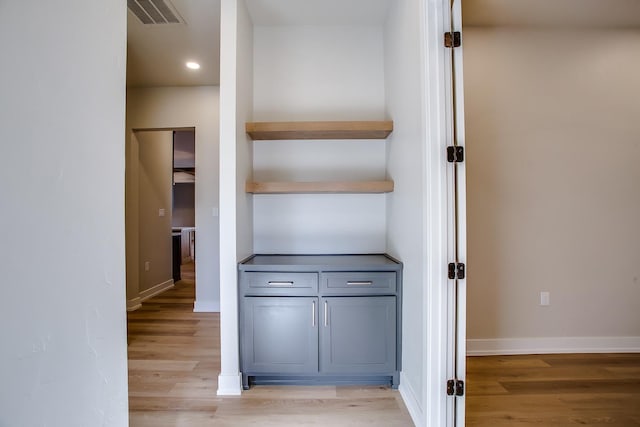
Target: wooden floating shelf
x=272, y=187
x=319, y=130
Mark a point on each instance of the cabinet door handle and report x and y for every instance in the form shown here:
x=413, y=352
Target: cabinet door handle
x=326, y=315
x=275, y=283
x=363, y=283
x=313, y=314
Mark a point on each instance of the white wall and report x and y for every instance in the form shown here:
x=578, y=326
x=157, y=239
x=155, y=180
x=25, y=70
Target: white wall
x=180, y=107
x=243, y=147
x=319, y=73
x=553, y=131
x=62, y=253
x=406, y=164
x=155, y=171
x=322, y=72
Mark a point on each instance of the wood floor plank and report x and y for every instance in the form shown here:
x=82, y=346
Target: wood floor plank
x=366, y=392
x=572, y=386
x=485, y=387
x=505, y=362
x=172, y=418
x=173, y=353
x=291, y=392
x=625, y=371
x=608, y=359
x=162, y=365
x=163, y=403
x=319, y=412
x=565, y=372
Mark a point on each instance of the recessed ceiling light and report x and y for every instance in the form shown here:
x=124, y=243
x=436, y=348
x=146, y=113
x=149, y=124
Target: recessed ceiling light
x=193, y=65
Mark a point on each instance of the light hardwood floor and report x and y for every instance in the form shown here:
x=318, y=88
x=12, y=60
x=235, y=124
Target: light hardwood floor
x=554, y=390
x=174, y=361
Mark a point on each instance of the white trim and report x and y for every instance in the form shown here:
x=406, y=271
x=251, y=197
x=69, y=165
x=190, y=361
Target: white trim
x=412, y=403
x=206, y=306
x=134, y=304
x=156, y=290
x=460, y=215
x=435, y=405
x=507, y=346
x=229, y=385
x=229, y=382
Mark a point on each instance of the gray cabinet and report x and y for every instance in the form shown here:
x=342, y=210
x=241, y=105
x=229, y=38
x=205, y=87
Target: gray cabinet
x=320, y=319
x=358, y=335
x=281, y=335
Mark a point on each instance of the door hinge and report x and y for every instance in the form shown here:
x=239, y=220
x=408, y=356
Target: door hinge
x=455, y=388
x=456, y=270
x=455, y=154
x=452, y=39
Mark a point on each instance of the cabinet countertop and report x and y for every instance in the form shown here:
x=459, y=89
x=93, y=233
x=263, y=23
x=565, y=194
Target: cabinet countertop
x=308, y=262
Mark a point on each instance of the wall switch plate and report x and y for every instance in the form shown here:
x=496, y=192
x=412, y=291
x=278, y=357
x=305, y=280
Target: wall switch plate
x=215, y=212
x=161, y=212
x=147, y=265
x=544, y=298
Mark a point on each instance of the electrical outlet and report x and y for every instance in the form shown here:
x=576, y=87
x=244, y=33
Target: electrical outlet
x=545, y=298
x=147, y=265
x=161, y=212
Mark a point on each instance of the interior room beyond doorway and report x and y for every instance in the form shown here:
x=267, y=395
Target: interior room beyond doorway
x=161, y=209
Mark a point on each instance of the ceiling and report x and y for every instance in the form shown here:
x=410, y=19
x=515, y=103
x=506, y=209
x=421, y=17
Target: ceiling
x=157, y=53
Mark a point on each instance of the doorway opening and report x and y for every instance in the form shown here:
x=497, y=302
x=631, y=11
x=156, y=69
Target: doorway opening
x=160, y=211
x=183, y=223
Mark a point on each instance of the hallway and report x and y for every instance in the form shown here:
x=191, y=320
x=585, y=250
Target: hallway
x=174, y=361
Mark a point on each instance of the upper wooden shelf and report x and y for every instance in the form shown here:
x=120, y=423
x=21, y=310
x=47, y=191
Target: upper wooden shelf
x=272, y=187
x=319, y=130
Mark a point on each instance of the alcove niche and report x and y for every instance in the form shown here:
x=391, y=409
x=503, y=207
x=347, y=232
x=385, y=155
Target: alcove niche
x=340, y=67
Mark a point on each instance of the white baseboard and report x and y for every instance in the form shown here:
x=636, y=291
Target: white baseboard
x=156, y=290
x=206, y=306
x=134, y=304
x=508, y=346
x=410, y=401
x=229, y=385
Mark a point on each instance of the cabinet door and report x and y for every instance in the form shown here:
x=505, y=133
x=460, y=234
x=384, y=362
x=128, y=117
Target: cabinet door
x=280, y=335
x=358, y=335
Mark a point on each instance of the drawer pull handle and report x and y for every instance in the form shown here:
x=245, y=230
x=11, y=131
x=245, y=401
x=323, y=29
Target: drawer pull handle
x=274, y=283
x=313, y=314
x=363, y=283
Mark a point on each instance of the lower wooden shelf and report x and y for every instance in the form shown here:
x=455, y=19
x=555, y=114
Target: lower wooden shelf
x=281, y=187
x=319, y=130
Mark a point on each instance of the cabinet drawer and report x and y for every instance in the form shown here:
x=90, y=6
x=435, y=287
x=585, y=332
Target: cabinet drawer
x=278, y=283
x=359, y=283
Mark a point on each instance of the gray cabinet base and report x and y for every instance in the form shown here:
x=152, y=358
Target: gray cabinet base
x=320, y=319
x=392, y=380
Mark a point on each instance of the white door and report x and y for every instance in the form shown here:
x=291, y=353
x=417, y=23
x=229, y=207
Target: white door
x=457, y=290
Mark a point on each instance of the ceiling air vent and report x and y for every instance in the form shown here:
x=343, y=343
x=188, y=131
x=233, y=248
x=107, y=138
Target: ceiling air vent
x=154, y=11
